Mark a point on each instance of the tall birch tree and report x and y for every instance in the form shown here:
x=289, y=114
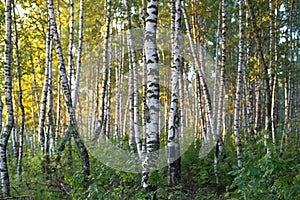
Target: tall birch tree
x=20, y=98
x=5, y=185
x=67, y=94
x=42, y=114
x=173, y=132
x=222, y=78
x=238, y=89
x=105, y=68
x=79, y=54
x=71, y=41
x=152, y=137
x=134, y=81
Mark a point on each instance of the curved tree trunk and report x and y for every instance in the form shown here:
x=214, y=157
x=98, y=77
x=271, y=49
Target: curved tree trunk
x=202, y=79
x=67, y=93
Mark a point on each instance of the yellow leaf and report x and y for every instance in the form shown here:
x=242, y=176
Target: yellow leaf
x=266, y=18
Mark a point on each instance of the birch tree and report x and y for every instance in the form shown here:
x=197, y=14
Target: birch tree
x=238, y=89
x=222, y=79
x=287, y=86
x=49, y=145
x=265, y=71
x=133, y=82
x=71, y=40
x=117, y=122
x=100, y=124
x=272, y=71
x=216, y=65
x=145, y=115
x=78, y=62
x=20, y=98
x=202, y=79
x=152, y=137
x=42, y=114
x=173, y=132
x=67, y=94
x=5, y=185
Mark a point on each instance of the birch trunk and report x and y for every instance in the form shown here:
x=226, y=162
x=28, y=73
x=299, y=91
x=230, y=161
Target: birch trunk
x=249, y=83
x=57, y=124
x=5, y=185
x=70, y=48
x=287, y=87
x=132, y=143
x=20, y=98
x=108, y=102
x=173, y=133
x=95, y=98
x=80, y=41
x=67, y=93
x=133, y=83
x=204, y=135
x=42, y=115
x=152, y=139
x=273, y=71
x=265, y=72
x=100, y=123
x=118, y=90
x=216, y=67
x=202, y=78
x=238, y=89
x=144, y=87
x=222, y=81
x=50, y=133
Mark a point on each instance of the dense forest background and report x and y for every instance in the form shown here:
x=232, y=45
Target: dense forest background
x=150, y=99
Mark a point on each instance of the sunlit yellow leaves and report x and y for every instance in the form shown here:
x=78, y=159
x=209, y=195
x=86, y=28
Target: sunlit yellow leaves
x=266, y=18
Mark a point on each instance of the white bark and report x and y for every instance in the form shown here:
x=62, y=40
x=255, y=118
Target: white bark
x=42, y=115
x=20, y=98
x=202, y=78
x=100, y=124
x=152, y=139
x=49, y=145
x=70, y=48
x=238, y=90
x=8, y=100
x=144, y=92
x=173, y=133
x=80, y=41
x=118, y=89
x=222, y=79
x=133, y=83
x=67, y=92
x=216, y=67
